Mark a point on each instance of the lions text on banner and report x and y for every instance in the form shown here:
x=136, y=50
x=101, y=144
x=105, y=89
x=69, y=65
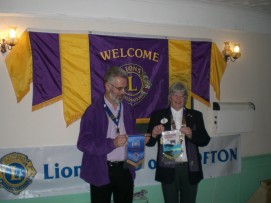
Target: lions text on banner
x=48, y=171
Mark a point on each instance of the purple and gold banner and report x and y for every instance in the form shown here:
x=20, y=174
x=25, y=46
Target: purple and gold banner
x=46, y=68
x=201, y=59
x=71, y=67
x=146, y=63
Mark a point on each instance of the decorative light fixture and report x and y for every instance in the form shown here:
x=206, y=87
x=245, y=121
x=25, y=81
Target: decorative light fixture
x=10, y=41
x=229, y=54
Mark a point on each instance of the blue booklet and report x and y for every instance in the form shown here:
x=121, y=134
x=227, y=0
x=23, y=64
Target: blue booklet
x=136, y=149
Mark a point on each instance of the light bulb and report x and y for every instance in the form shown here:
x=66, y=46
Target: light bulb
x=236, y=48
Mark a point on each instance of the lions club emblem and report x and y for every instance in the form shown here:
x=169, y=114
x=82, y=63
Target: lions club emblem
x=16, y=172
x=138, y=84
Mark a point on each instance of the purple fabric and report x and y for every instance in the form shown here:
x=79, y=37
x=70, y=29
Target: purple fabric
x=46, y=66
x=201, y=56
x=148, y=87
x=95, y=145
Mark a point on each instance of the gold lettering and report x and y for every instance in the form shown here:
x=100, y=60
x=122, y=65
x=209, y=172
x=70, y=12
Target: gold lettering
x=155, y=57
x=105, y=55
x=128, y=52
x=122, y=55
x=147, y=54
x=130, y=84
x=138, y=53
x=133, y=69
x=131, y=100
x=13, y=175
x=115, y=53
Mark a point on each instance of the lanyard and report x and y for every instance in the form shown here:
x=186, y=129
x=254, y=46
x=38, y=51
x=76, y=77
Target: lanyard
x=110, y=114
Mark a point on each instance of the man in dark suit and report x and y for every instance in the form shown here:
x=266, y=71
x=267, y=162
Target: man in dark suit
x=179, y=176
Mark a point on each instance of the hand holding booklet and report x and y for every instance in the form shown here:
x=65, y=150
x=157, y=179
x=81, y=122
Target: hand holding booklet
x=136, y=150
x=171, y=142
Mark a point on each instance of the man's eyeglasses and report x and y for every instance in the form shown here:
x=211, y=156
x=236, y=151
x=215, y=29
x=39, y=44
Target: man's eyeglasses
x=120, y=88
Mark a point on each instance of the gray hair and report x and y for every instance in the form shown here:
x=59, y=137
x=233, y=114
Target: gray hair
x=177, y=87
x=113, y=72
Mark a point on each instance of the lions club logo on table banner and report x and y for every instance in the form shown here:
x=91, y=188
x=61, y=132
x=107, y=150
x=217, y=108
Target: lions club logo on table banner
x=16, y=172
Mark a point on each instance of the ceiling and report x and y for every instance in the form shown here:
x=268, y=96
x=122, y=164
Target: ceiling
x=261, y=6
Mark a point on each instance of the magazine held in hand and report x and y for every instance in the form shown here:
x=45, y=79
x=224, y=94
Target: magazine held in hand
x=171, y=147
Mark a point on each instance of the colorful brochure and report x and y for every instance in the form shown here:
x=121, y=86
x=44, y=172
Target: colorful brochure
x=172, y=144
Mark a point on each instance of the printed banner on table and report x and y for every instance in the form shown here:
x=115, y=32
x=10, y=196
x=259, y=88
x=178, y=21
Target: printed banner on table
x=221, y=157
x=49, y=171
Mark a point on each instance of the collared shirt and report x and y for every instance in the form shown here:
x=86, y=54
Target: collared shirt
x=178, y=117
x=119, y=153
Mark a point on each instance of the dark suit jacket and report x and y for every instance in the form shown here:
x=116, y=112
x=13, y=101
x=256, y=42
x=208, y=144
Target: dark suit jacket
x=200, y=137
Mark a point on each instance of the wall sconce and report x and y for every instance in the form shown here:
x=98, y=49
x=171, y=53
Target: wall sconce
x=10, y=41
x=229, y=54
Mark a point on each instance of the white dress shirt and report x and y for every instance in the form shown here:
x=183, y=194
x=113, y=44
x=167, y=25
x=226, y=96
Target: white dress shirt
x=119, y=153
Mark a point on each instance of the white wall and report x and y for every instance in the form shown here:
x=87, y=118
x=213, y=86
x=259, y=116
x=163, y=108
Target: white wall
x=247, y=79
x=169, y=12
